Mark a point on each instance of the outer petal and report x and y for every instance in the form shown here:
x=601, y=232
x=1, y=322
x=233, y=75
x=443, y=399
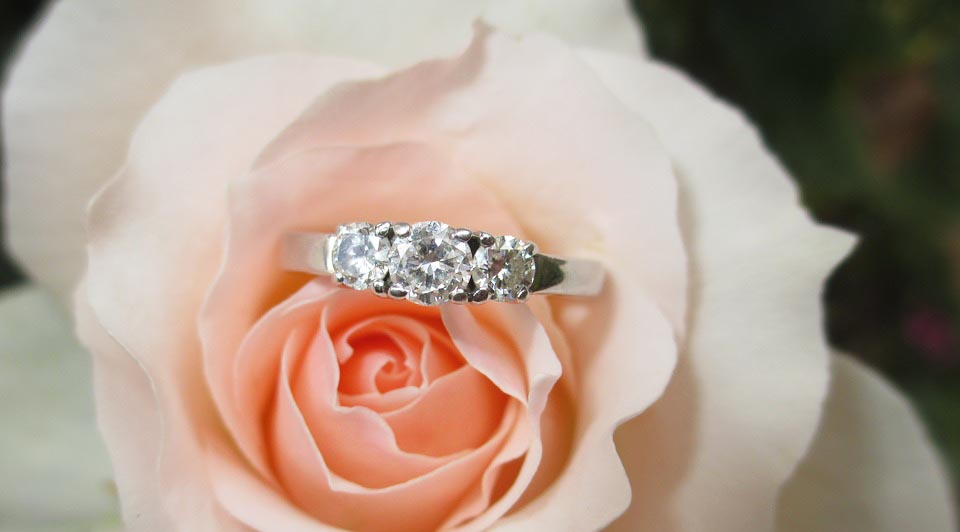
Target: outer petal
x=151, y=262
x=871, y=466
x=54, y=472
x=744, y=404
x=93, y=68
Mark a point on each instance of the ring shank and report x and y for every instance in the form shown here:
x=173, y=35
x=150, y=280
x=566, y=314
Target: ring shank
x=308, y=252
x=567, y=277
x=312, y=253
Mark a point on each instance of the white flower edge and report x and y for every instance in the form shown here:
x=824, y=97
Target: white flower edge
x=871, y=466
x=67, y=126
x=56, y=474
x=745, y=401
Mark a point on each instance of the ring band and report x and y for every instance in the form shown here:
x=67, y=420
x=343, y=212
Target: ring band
x=431, y=263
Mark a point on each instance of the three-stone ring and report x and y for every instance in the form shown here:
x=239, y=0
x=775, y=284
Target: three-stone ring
x=431, y=263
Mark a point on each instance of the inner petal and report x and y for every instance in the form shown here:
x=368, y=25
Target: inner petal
x=377, y=365
x=458, y=412
x=386, y=361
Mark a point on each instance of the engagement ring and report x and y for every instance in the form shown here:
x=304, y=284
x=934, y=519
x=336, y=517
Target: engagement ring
x=431, y=263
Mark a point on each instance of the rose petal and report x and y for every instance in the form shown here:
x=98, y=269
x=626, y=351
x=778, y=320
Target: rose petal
x=458, y=412
x=541, y=370
x=151, y=262
x=66, y=121
x=871, y=465
x=730, y=429
x=418, y=504
x=355, y=442
x=56, y=474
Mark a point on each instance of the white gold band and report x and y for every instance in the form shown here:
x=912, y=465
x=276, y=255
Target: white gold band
x=430, y=263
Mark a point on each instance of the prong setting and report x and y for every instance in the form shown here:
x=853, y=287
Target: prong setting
x=462, y=235
x=401, y=229
x=430, y=263
x=383, y=229
x=479, y=296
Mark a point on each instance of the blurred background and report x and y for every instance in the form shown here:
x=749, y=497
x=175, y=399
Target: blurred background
x=861, y=101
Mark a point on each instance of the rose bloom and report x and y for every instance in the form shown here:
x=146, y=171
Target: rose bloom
x=158, y=152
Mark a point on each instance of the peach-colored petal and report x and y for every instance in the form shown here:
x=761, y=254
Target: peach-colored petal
x=67, y=121
x=541, y=372
x=458, y=412
x=243, y=385
x=349, y=458
x=871, y=466
x=382, y=402
x=486, y=351
x=712, y=454
x=618, y=375
x=356, y=443
x=151, y=262
x=255, y=501
x=418, y=504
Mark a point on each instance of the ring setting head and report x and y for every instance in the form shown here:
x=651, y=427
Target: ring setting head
x=505, y=269
x=359, y=255
x=430, y=263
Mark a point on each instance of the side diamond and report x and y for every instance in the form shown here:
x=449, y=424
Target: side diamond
x=429, y=263
x=505, y=269
x=359, y=255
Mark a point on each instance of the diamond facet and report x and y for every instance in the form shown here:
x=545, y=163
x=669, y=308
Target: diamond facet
x=359, y=255
x=429, y=263
x=504, y=269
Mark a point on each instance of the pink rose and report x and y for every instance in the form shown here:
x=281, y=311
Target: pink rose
x=233, y=395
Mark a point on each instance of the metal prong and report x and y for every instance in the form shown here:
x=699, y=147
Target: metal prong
x=486, y=239
x=459, y=296
x=395, y=292
x=338, y=277
x=383, y=229
x=531, y=249
x=479, y=296
x=401, y=229
x=462, y=234
x=380, y=287
x=523, y=294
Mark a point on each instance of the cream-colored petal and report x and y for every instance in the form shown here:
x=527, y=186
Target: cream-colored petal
x=54, y=471
x=155, y=240
x=871, y=467
x=92, y=69
x=745, y=401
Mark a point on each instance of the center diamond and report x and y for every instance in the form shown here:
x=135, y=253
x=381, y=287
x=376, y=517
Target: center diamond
x=429, y=263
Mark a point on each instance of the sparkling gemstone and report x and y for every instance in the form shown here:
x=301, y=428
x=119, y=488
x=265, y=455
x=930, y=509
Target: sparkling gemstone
x=505, y=269
x=429, y=263
x=360, y=256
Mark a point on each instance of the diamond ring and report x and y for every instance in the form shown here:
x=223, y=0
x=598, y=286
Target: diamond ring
x=431, y=263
